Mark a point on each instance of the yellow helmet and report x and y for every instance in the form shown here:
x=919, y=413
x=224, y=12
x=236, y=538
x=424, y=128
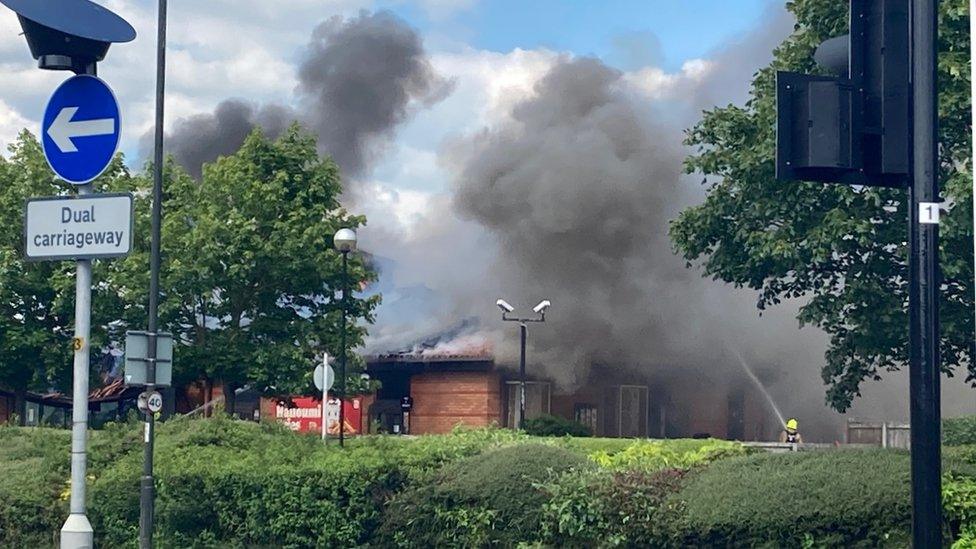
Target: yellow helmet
x=792, y=424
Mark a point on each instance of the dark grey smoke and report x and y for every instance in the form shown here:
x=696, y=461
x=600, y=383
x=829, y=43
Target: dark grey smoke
x=736, y=62
x=203, y=138
x=359, y=80
x=579, y=189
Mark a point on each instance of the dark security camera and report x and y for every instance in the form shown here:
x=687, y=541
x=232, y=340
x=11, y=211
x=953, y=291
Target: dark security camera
x=69, y=34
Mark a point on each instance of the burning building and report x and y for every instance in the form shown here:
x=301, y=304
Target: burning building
x=473, y=389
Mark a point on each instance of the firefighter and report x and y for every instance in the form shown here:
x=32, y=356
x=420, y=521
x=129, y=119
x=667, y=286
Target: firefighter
x=791, y=435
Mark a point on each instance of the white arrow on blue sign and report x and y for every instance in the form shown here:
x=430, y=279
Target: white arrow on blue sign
x=81, y=129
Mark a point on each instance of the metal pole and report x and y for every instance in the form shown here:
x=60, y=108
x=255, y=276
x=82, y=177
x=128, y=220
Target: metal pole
x=972, y=96
x=325, y=394
x=77, y=530
x=342, y=364
x=147, y=485
x=924, y=369
x=521, y=416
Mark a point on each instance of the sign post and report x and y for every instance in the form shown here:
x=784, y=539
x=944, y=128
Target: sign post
x=80, y=134
x=79, y=152
x=875, y=122
x=324, y=377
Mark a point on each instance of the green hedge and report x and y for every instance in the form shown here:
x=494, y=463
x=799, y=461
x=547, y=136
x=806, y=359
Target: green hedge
x=959, y=431
x=225, y=483
x=488, y=499
x=230, y=483
x=552, y=426
x=830, y=498
x=603, y=508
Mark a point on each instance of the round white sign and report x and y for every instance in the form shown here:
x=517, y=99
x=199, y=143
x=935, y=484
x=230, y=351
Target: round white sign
x=330, y=377
x=154, y=402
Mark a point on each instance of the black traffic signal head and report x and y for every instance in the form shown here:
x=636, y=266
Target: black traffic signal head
x=69, y=34
x=851, y=127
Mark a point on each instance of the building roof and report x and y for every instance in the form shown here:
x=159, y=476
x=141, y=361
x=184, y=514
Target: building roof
x=113, y=391
x=418, y=362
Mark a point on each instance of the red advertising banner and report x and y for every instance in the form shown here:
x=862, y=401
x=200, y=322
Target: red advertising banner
x=306, y=415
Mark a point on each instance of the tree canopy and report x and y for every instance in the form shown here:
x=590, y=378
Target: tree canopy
x=842, y=250
x=249, y=281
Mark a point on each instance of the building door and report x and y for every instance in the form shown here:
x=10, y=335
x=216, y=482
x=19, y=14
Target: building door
x=538, y=400
x=633, y=411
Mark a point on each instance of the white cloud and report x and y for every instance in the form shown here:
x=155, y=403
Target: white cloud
x=11, y=123
x=656, y=84
x=216, y=49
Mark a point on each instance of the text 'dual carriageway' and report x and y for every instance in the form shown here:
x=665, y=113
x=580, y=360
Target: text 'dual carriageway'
x=79, y=228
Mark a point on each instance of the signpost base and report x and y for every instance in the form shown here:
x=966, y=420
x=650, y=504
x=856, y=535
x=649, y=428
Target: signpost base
x=77, y=532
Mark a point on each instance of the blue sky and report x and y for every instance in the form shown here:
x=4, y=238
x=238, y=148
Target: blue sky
x=249, y=48
x=625, y=33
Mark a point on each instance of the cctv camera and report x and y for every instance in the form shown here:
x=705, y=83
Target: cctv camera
x=542, y=306
x=504, y=306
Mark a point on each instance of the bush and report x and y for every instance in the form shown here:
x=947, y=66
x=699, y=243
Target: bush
x=488, y=499
x=32, y=479
x=959, y=431
x=607, y=509
x=831, y=498
x=552, y=426
x=655, y=455
x=228, y=483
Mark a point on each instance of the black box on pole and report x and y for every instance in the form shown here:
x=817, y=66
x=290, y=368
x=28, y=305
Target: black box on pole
x=851, y=126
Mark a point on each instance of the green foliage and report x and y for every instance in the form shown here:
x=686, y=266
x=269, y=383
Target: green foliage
x=959, y=431
x=498, y=491
x=37, y=298
x=554, y=426
x=249, y=270
x=228, y=483
x=655, y=455
x=835, y=498
x=588, y=508
x=959, y=506
x=249, y=273
x=31, y=479
x=841, y=247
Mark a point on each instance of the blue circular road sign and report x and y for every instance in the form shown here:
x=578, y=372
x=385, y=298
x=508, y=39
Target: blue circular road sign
x=81, y=129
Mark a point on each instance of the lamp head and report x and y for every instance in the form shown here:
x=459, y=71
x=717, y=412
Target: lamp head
x=345, y=240
x=69, y=34
x=504, y=306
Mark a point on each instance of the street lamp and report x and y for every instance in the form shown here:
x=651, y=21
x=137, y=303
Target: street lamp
x=540, y=310
x=345, y=242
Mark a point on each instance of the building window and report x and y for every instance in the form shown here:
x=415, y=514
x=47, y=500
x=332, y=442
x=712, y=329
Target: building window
x=538, y=400
x=632, y=419
x=585, y=414
x=33, y=414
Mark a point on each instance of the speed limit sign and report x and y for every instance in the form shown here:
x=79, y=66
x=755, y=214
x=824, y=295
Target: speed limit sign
x=152, y=401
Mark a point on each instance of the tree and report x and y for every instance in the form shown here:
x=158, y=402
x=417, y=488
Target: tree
x=842, y=249
x=37, y=298
x=249, y=277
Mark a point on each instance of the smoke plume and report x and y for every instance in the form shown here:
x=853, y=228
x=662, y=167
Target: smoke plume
x=359, y=79
x=578, y=189
x=358, y=82
x=203, y=138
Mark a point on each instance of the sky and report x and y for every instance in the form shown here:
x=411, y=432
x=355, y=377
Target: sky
x=249, y=49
